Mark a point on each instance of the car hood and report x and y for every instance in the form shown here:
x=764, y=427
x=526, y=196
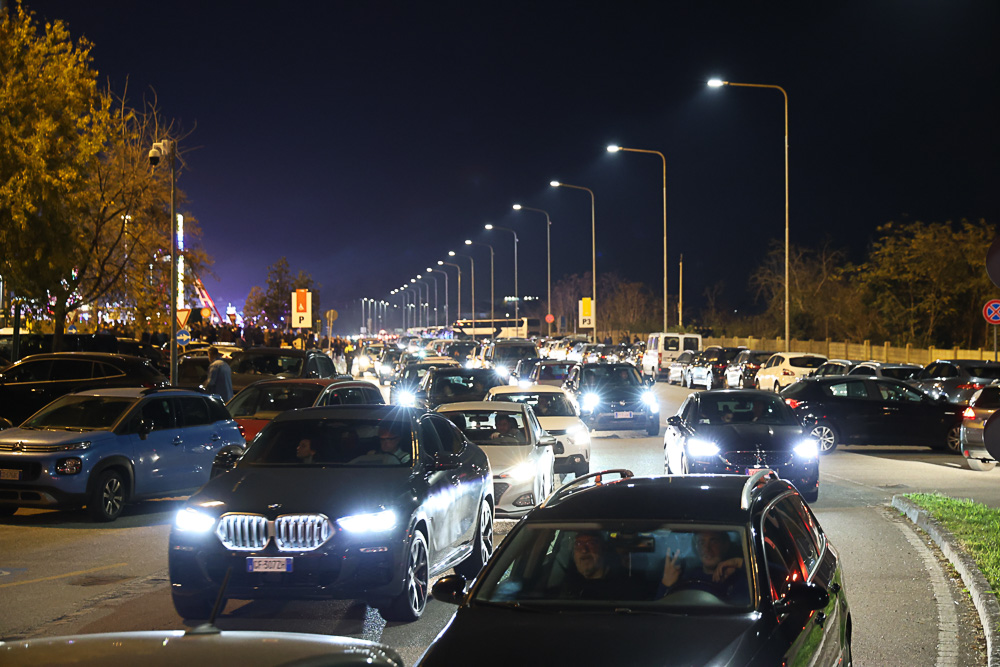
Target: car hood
x=339, y=491
x=615, y=638
x=28, y=436
x=615, y=393
x=251, y=427
x=559, y=425
x=742, y=436
x=504, y=457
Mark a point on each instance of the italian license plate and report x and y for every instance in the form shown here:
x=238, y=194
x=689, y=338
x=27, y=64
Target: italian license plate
x=623, y=415
x=751, y=471
x=10, y=474
x=269, y=564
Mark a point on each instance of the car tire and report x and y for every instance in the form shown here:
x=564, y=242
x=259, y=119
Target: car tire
x=107, y=499
x=756, y=384
x=980, y=466
x=409, y=605
x=482, y=545
x=826, y=436
x=810, y=496
x=953, y=440
x=197, y=607
x=582, y=469
x=653, y=429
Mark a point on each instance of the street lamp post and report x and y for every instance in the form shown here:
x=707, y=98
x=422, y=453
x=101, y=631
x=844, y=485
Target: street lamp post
x=168, y=148
x=429, y=271
x=445, y=274
x=548, y=252
x=493, y=301
x=517, y=293
x=458, y=296
x=472, y=263
x=593, y=243
x=419, y=301
x=717, y=83
x=615, y=149
x=427, y=304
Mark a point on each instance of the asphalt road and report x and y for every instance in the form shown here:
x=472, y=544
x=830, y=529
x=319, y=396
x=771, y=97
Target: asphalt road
x=60, y=574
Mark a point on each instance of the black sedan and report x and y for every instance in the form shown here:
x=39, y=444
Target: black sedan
x=346, y=502
x=857, y=410
x=738, y=431
x=613, y=397
x=694, y=570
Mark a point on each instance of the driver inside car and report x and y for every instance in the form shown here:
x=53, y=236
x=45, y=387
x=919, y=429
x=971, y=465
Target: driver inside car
x=507, y=429
x=718, y=572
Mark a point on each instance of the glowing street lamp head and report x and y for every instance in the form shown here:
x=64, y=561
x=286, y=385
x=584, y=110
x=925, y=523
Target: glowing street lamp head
x=419, y=276
x=488, y=226
x=429, y=269
x=716, y=83
x=614, y=149
x=468, y=241
x=413, y=280
x=440, y=262
x=555, y=184
x=516, y=207
x=451, y=253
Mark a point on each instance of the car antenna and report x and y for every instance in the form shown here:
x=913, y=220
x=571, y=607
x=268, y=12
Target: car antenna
x=208, y=627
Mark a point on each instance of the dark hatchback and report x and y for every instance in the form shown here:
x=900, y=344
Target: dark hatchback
x=856, y=410
x=784, y=602
x=742, y=370
x=33, y=382
x=453, y=384
x=739, y=431
x=346, y=502
x=614, y=397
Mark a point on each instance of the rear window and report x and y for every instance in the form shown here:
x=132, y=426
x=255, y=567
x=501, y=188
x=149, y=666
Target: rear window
x=900, y=373
x=991, y=372
x=989, y=397
x=514, y=352
x=807, y=362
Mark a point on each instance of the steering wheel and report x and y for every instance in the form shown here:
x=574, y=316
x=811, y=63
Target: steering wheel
x=709, y=587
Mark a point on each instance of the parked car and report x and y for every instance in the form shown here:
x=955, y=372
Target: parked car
x=677, y=372
x=664, y=347
x=559, y=415
x=345, y=502
x=451, y=384
x=522, y=455
x=255, y=406
x=784, y=368
x=855, y=410
x=981, y=406
x=834, y=367
x=29, y=384
x=737, y=432
x=612, y=397
x=956, y=379
x=709, y=367
x=784, y=603
x=742, y=370
x=103, y=448
x=552, y=372
x=902, y=372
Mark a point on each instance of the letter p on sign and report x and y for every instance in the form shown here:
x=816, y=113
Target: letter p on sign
x=302, y=309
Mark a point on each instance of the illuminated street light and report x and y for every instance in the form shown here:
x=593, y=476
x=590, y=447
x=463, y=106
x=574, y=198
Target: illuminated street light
x=593, y=246
x=493, y=317
x=168, y=148
x=459, y=290
x=517, y=294
x=445, y=274
x=548, y=253
x=615, y=149
x=472, y=263
x=718, y=83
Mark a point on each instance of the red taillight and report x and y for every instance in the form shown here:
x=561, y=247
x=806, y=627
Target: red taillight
x=243, y=431
x=971, y=385
x=786, y=372
x=721, y=365
x=792, y=403
x=968, y=413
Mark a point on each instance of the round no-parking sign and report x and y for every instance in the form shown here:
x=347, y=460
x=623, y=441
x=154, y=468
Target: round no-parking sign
x=991, y=311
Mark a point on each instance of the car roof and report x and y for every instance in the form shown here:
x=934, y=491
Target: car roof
x=530, y=389
x=138, y=392
x=495, y=406
x=348, y=412
x=321, y=382
x=88, y=356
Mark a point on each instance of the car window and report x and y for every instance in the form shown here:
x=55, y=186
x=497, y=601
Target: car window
x=159, y=414
x=988, y=372
x=862, y=370
x=430, y=440
x=194, y=411
x=671, y=343
x=373, y=396
x=450, y=436
x=333, y=441
x=544, y=404
x=789, y=546
x=217, y=409
x=483, y=428
x=266, y=401
x=32, y=371
x=325, y=365
x=898, y=392
x=806, y=362
x=71, y=369
x=106, y=370
x=847, y=389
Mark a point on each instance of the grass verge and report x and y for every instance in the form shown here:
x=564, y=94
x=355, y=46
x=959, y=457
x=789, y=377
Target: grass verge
x=974, y=525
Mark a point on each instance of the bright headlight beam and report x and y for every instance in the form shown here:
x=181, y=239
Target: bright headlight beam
x=373, y=522
x=192, y=521
x=807, y=449
x=698, y=447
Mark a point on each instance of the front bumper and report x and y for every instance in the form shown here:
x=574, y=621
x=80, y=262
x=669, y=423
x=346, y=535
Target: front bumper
x=804, y=474
x=40, y=485
x=601, y=420
x=512, y=498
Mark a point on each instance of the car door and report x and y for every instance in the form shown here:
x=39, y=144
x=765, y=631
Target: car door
x=854, y=413
x=470, y=476
x=443, y=503
x=202, y=440
x=159, y=447
x=907, y=415
x=22, y=389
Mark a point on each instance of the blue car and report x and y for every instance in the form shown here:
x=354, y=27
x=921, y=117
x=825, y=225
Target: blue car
x=106, y=447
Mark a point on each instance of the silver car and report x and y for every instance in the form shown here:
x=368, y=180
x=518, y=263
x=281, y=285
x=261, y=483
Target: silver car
x=956, y=379
x=983, y=403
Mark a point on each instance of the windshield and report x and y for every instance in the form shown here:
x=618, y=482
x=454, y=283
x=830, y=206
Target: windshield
x=545, y=404
x=333, y=442
x=413, y=374
x=510, y=354
x=759, y=357
x=466, y=385
x=87, y=413
x=265, y=402
x=547, y=371
x=490, y=427
x=638, y=564
x=739, y=408
x=266, y=364
x=990, y=372
x=621, y=375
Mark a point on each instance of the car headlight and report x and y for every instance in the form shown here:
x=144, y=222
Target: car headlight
x=470, y=364
x=807, y=449
x=649, y=398
x=76, y=445
x=502, y=371
x=372, y=522
x=193, y=521
x=524, y=384
x=590, y=401
x=698, y=447
x=406, y=399
x=522, y=472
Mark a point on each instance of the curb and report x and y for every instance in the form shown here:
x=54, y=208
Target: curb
x=982, y=595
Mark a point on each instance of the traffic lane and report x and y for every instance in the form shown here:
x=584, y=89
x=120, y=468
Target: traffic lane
x=53, y=563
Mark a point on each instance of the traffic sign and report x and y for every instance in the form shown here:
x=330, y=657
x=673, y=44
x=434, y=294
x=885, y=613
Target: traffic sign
x=232, y=317
x=182, y=317
x=991, y=311
x=332, y=315
x=586, y=313
x=71, y=328
x=550, y=318
x=302, y=309
x=183, y=336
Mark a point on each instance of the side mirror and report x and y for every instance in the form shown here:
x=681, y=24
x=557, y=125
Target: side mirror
x=553, y=442
x=450, y=589
x=649, y=382
x=226, y=460
x=444, y=461
x=145, y=428
x=674, y=420
x=802, y=597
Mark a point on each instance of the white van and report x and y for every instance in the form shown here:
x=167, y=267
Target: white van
x=663, y=347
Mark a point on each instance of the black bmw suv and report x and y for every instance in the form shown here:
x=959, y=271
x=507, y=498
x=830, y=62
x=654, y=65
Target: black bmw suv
x=613, y=397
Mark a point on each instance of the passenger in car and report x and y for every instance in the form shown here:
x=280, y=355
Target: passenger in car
x=720, y=572
x=594, y=575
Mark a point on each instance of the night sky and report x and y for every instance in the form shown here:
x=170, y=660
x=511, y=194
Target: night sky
x=363, y=140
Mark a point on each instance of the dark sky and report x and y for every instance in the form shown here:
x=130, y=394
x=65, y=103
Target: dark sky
x=363, y=140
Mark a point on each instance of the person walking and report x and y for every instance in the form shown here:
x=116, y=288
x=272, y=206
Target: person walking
x=220, y=376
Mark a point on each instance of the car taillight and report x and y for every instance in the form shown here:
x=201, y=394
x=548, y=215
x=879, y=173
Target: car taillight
x=720, y=365
x=786, y=372
x=243, y=431
x=792, y=403
x=971, y=385
x=968, y=413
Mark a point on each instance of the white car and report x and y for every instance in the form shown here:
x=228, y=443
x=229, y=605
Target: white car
x=521, y=453
x=784, y=368
x=560, y=417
